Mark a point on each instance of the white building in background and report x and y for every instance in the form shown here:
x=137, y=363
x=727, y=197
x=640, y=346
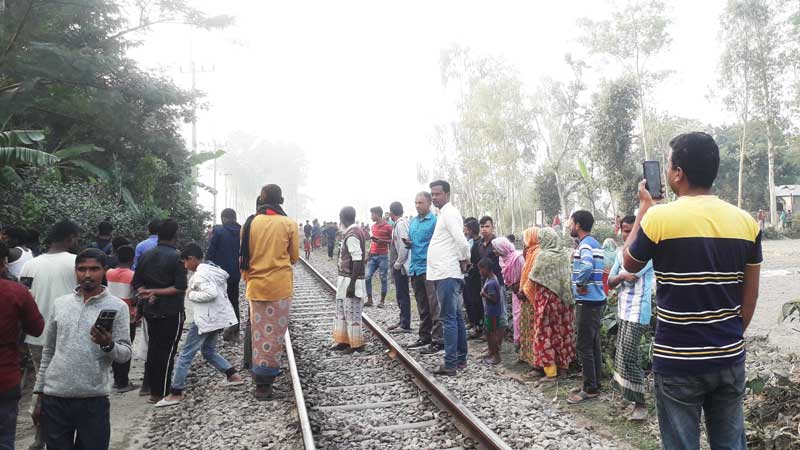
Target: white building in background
x=788, y=195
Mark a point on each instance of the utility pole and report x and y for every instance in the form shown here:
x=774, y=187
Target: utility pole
x=193, y=70
x=214, y=218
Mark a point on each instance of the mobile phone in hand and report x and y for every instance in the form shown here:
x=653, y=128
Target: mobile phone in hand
x=652, y=174
x=105, y=320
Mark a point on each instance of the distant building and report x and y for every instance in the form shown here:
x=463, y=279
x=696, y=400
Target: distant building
x=788, y=196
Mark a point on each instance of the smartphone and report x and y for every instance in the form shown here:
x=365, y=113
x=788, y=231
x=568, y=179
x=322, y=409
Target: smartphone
x=652, y=174
x=106, y=319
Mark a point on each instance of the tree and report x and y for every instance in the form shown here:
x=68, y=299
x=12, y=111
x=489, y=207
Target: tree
x=614, y=111
x=560, y=119
x=737, y=72
x=492, y=136
x=64, y=69
x=635, y=33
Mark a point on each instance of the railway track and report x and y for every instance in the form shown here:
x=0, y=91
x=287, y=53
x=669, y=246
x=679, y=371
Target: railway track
x=380, y=398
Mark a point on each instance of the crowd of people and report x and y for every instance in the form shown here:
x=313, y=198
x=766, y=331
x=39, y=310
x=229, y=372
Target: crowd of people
x=698, y=254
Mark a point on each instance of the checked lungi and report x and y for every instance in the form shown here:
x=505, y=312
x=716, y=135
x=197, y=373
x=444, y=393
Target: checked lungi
x=628, y=371
x=347, y=323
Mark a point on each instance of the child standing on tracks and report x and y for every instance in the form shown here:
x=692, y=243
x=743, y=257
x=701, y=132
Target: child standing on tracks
x=494, y=320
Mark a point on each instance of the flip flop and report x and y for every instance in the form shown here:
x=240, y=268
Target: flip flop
x=581, y=397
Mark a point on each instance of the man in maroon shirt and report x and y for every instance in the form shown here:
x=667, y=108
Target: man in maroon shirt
x=18, y=314
x=378, y=257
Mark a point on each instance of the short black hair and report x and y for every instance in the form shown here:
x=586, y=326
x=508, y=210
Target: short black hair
x=441, y=183
x=33, y=237
x=16, y=235
x=630, y=220
x=485, y=219
x=105, y=227
x=228, y=213
x=485, y=263
x=271, y=194
x=125, y=254
x=168, y=230
x=698, y=155
x=585, y=219
x=396, y=208
x=119, y=241
x=154, y=226
x=511, y=238
x=347, y=215
x=3, y=250
x=376, y=210
x=192, y=249
x=92, y=253
x=63, y=230
x=472, y=225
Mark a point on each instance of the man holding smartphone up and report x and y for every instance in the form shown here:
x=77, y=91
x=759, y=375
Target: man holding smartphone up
x=88, y=331
x=706, y=254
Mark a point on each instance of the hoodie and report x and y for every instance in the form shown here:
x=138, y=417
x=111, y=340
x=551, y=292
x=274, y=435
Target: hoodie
x=223, y=249
x=208, y=290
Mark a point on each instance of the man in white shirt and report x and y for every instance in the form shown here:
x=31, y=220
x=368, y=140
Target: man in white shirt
x=448, y=254
x=49, y=276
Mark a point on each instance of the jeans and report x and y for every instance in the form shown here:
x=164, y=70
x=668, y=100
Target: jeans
x=9, y=409
x=588, y=346
x=403, y=297
x=448, y=292
x=64, y=418
x=719, y=394
x=207, y=345
x=378, y=262
x=430, y=325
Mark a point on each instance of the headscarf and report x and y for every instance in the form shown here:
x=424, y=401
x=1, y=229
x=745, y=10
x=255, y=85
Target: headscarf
x=531, y=239
x=552, y=267
x=511, y=260
x=609, y=253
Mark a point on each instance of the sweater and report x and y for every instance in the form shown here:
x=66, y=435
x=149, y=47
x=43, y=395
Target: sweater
x=72, y=365
x=18, y=312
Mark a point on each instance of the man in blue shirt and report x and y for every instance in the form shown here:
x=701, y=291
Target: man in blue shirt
x=587, y=285
x=420, y=232
x=147, y=244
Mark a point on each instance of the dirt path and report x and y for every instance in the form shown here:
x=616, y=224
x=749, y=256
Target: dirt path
x=780, y=283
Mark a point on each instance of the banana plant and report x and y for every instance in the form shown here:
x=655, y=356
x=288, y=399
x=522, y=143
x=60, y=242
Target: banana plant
x=16, y=150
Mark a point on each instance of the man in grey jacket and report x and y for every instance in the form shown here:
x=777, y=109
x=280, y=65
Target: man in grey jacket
x=73, y=380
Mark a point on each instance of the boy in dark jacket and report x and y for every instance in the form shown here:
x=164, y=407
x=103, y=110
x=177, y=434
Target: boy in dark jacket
x=223, y=250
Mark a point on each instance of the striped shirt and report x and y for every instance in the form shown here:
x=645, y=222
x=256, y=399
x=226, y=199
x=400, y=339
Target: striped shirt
x=587, y=272
x=634, y=299
x=700, y=246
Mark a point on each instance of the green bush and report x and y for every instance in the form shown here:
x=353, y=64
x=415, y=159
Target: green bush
x=41, y=201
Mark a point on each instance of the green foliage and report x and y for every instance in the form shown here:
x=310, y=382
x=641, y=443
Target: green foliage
x=611, y=135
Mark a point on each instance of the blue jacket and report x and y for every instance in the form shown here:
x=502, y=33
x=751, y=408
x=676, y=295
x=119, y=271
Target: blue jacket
x=223, y=249
x=587, y=272
x=420, y=233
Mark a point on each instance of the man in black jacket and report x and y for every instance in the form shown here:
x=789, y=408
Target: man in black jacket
x=223, y=250
x=160, y=280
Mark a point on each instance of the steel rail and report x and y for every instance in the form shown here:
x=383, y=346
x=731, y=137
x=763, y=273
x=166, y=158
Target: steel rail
x=464, y=420
x=302, y=412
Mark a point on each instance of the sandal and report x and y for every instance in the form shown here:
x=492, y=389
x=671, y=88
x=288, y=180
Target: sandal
x=581, y=397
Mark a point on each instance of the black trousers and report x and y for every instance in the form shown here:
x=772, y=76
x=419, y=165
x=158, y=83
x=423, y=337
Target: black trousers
x=588, y=346
x=164, y=334
x=330, y=249
x=233, y=295
x=76, y=423
x=121, y=370
x=473, y=302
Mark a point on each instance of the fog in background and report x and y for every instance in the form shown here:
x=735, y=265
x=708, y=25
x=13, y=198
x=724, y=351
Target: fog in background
x=356, y=86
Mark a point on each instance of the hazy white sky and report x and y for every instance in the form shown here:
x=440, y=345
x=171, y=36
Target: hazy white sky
x=360, y=80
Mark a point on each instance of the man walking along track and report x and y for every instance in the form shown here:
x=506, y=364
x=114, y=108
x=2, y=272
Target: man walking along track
x=270, y=247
